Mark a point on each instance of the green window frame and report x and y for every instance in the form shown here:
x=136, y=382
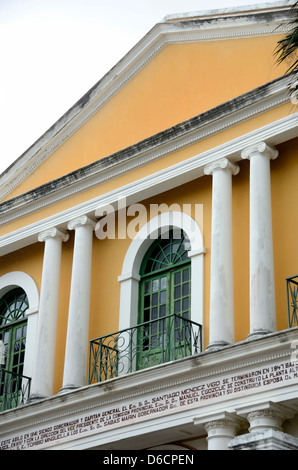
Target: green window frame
x=164, y=299
x=13, y=331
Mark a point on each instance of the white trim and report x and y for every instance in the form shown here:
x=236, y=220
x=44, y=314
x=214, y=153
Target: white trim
x=257, y=8
x=129, y=279
x=181, y=173
x=20, y=279
x=186, y=134
x=126, y=69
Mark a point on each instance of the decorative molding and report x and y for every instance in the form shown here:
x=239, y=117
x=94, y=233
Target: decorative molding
x=172, y=140
x=163, y=34
x=158, y=381
x=260, y=148
x=223, y=164
x=82, y=221
x=53, y=233
x=26, y=282
x=173, y=176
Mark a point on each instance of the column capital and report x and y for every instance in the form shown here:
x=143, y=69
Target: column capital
x=260, y=148
x=221, y=428
x=266, y=415
x=84, y=220
x=223, y=164
x=53, y=233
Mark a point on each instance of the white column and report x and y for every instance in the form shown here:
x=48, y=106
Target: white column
x=265, y=427
x=221, y=429
x=262, y=420
x=262, y=290
x=44, y=358
x=76, y=353
x=221, y=283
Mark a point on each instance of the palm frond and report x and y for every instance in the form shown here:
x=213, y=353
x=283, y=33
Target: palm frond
x=288, y=46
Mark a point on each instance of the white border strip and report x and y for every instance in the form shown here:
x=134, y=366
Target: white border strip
x=164, y=180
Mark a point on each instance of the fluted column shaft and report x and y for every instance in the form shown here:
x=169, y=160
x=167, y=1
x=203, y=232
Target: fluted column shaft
x=221, y=282
x=44, y=358
x=76, y=353
x=262, y=288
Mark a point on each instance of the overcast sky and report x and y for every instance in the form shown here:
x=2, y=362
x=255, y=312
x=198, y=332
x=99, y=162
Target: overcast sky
x=53, y=51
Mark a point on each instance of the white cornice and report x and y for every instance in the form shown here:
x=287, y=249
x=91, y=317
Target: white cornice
x=172, y=140
x=160, y=36
x=232, y=11
x=274, y=134
x=240, y=358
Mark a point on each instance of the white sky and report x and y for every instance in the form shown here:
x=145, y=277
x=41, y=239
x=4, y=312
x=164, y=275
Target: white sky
x=53, y=51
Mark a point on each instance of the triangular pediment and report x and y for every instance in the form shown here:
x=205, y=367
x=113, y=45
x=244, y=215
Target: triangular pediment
x=182, y=68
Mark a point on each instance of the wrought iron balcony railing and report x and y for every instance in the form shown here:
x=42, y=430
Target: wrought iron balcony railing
x=14, y=390
x=292, y=296
x=145, y=345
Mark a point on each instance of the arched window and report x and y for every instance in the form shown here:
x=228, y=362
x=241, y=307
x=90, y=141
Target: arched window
x=133, y=266
x=165, y=331
x=165, y=279
x=13, y=330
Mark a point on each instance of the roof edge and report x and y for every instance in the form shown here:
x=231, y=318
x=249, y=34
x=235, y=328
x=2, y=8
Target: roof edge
x=231, y=11
x=227, y=110
x=104, y=89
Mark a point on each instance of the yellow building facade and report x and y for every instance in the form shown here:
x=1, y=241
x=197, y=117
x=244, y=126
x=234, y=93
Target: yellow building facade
x=148, y=275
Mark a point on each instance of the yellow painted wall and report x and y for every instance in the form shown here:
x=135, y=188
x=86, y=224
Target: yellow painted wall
x=108, y=255
x=181, y=81
x=284, y=176
x=28, y=260
x=203, y=145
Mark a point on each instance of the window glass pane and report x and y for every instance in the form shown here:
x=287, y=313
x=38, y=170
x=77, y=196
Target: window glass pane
x=154, y=299
x=163, y=296
x=177, y=278
x=185, y=289
x=6, y=337
x=155, y=285
x=147, y=287
x=146, y=315
x=162, y=311
x=175, y=247
x=154, y=327
x=154, y=313
x=177, y=306
x=185, y=304
x=177, y=292
x=163, y=282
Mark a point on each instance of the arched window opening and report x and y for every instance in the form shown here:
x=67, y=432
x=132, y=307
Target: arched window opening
x=161, y=300
x=13, y=331
x=165, y=279
x=165, y=331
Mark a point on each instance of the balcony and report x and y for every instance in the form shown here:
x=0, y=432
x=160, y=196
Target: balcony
x=292, y=297
x=14, y=390
x=148, y=344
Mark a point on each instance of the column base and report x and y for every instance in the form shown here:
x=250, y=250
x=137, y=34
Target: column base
x=35, y=397
x=68, y=388
x=217, y=345
x=268, y=440
x=258, y=334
